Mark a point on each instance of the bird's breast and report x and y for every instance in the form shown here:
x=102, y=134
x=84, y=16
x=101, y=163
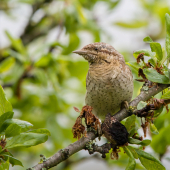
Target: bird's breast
x=107, y=88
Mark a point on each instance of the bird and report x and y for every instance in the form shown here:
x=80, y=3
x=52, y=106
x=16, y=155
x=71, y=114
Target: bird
x=109, y=81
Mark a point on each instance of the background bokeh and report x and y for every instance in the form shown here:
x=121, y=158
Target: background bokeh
x=43, y=79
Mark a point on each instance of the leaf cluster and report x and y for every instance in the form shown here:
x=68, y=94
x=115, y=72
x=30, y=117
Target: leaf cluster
x=156, y=71
x=15, y=133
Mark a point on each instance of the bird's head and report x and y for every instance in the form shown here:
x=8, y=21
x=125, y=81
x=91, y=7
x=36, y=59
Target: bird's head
x=98, y=53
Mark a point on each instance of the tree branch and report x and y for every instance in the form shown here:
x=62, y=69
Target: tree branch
x=63, y=154
x=143, y=96
x=80, y=144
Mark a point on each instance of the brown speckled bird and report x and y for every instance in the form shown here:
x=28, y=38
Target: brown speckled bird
x=109, y=80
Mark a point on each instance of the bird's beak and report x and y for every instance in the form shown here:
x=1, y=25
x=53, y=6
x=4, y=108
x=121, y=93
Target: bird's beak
x=80, y=52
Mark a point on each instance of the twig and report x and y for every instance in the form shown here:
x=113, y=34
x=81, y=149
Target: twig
x=66, y=153
x=100, y=149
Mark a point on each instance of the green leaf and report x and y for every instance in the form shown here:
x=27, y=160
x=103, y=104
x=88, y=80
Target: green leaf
x=158, y=112
x=4, y=166
x=55, y=44
x=6, y=64
x=134, y=65
x=152, y=75
x=132, y=150
x=13, y=161
x=5, y=105
x=81, y=15
x=138, y=142
x=152, y=61
x=0, y=149
x=4, y=117
x=73, y=44
x=148, y=39
x=27, y=1
x=167, y=19
x=168, y=45
x=128, y=152
x=148, y=161
x=44, y=61
x=26, y=139
x=12, y=130
x=146, y=52
x=141, y=105
x=17, y=44
x=41, y=131
x=153, y=129
x=41, y=76
x=166, y=95
x=131, y=165
x=166, y=71
x=162, y=138
x=133, y=24
x=113, y=4
x=156, y=47
x=23, y=124
x=167, y=41
x=132, y=162
x=16, y=55
x=130, y=125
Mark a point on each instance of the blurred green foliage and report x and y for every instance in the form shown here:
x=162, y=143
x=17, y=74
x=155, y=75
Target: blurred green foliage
x=43, y=80
x=15, y=133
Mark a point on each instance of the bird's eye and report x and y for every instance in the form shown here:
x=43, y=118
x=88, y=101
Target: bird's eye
x=96, y=48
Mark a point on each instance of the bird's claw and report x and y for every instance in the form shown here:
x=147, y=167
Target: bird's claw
x=99, y=131
x=125, y=105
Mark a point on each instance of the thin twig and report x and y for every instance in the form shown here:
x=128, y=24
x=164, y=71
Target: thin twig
x=66, y=153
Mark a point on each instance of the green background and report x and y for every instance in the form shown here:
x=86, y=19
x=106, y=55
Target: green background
x=43, y=79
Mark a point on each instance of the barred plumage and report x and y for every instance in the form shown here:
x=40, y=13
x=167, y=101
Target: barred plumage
x=109, y=80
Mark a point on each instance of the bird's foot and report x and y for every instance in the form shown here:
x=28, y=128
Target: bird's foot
x=99, y=131
x=128, y=108
x=125, y=105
